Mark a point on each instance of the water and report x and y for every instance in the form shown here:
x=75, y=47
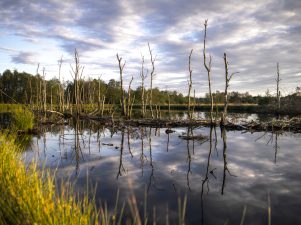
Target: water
x=221, y=177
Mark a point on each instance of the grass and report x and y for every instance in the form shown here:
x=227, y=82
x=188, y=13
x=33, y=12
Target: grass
x=10, y=107
x=22, y=120
x=21, y=117
x=30, y=197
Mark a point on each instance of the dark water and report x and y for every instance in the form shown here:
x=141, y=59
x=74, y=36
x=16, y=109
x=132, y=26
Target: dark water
x=221, y=177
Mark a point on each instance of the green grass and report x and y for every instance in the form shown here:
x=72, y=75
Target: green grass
x=30, y=197
x=10, y=107
x=22, y=120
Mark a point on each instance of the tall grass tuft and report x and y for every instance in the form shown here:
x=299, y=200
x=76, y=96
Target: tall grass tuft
x=22, y=120
x=30, y=197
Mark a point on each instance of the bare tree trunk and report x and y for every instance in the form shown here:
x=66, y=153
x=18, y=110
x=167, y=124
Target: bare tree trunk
x=157, y=112
x=169, y=114
x=82, y=94
x=63, y=95
x=30, y=88
x=99, y=99
x=44, y=92
x=37, y=87
x=194, y=102
x=227, y=81
x=76, y=74
x=131, y=106
x=189, y=84
x=103, y=104
x=40, y=94
x=152, y=74
x=208, y=68
x=143, y=77
x=278, y=91
x=224, y=116
x=61, y=91
x=51, y=99
x=146, y=100
x=68, y=101
x=121, y=66
x=129, y=101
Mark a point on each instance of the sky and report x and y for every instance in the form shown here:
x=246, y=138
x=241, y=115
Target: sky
x=255, y=35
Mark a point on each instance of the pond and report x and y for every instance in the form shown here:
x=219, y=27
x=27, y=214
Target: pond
x=228, y=177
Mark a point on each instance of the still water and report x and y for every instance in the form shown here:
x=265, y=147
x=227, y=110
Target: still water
x=226, y=175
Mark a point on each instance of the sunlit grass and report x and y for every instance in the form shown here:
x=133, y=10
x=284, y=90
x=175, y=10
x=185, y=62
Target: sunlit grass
x=10, y=107
x=22, y=120
x=30, y=197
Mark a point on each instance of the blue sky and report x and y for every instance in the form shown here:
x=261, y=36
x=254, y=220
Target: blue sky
x=254, y=34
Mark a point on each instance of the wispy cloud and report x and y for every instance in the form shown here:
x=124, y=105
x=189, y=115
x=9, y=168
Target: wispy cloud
x=255, y=35
x=25, y=58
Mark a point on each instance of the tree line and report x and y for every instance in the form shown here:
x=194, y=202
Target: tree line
x=25, y=88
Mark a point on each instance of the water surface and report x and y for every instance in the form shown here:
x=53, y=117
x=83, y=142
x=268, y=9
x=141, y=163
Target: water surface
x=220, y=175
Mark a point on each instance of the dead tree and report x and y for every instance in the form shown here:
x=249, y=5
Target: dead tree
x=227, y=81
x=189, y=85
x=194, y=101
x=121, y=66
x=169, y=114
x=30, y=93
x=61, y=88
x=100, y=100
x=51, y=98
x=77, y=72
x=208, y=69
x=143, y=77
x=129, y=100
x=278, y=91
x=152, y=74
x=44, y=92
x=38, y=88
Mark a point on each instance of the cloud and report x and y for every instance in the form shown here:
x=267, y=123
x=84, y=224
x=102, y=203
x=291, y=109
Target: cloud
x=255, y=35
x=9, y=50
x=25, y=58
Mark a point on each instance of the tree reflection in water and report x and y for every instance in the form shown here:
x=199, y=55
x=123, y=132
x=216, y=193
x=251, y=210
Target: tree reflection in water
x=206, y=179
x=121, y=167
x=226, y=169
